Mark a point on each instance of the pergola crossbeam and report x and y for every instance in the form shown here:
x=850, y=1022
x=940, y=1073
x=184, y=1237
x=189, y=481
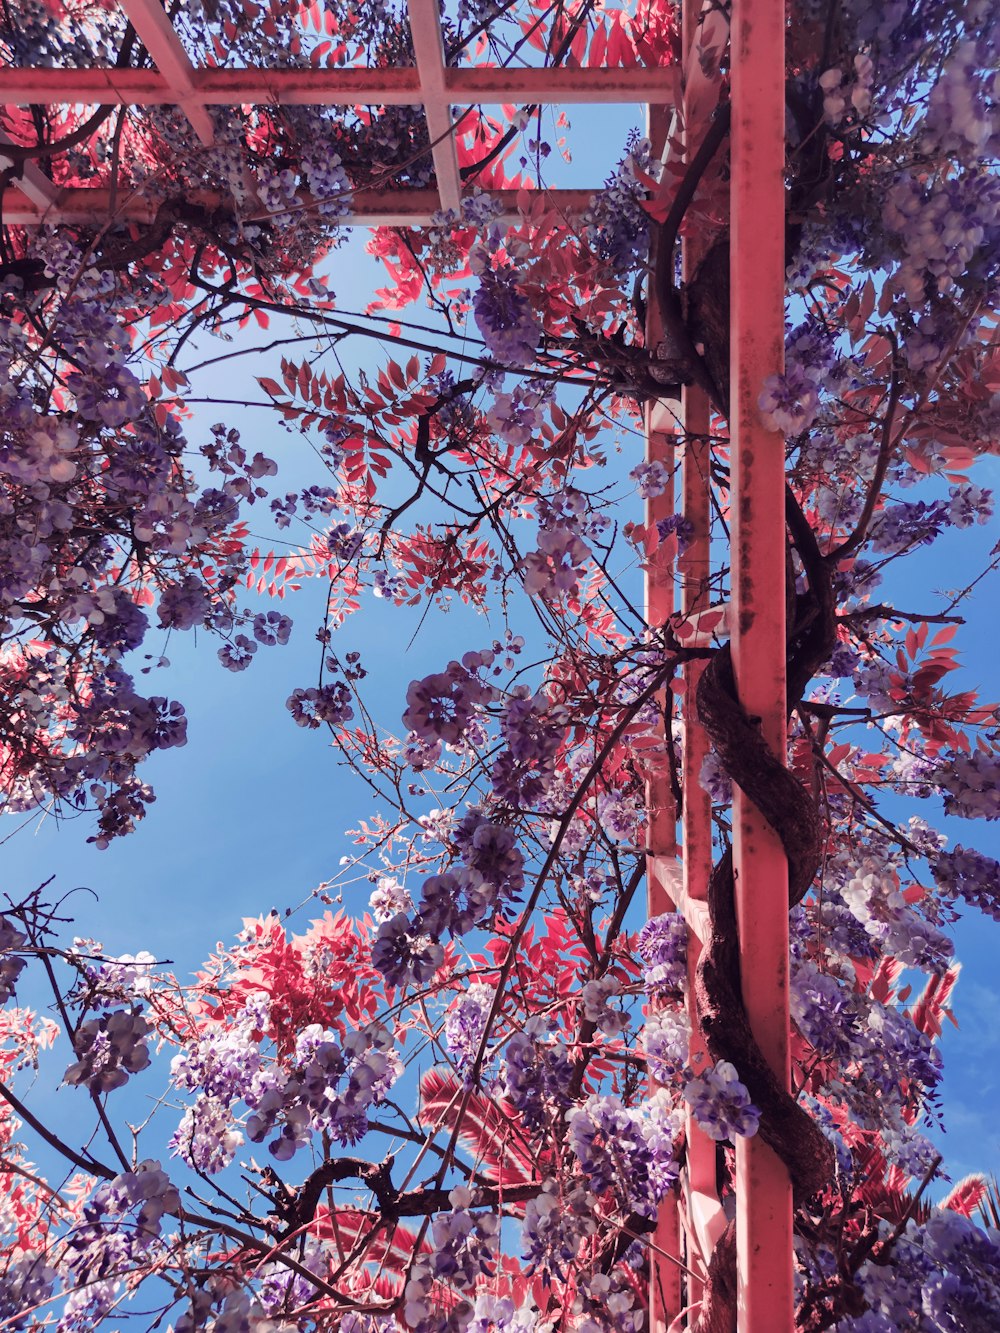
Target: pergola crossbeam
x=425, y=27
x=39, y=192
x=368, y=208
x=399, y=86
x=157, y=34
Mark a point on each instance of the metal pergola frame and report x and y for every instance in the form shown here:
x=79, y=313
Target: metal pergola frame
x=678, y=868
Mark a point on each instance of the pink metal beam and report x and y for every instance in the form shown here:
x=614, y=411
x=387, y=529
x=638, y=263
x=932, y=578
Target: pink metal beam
x=702, y=25
x=700, y=1212
x=157, y=35
x=662, y=867
x=425, y=28
x=338, y=87
x=369, y=208
x=763, y=1191
x=33, y=184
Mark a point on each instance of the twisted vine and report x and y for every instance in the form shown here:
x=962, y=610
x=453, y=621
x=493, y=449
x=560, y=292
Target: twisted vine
x=791, y=811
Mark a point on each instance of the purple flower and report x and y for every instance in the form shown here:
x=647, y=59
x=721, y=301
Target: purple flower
x=966, y=873
x=827, y=1014
x=402, y=954
x=714, y=780
x=419, y=753
x=971, y=785
x=678, y=524
x=465, y=1243
x=621, y=816
x=117, y=622
x=465, y=1023
x=10, y=965
x=651, y=479
x=271, y=628
x=183, y=604
x=628, y=1150
x=453, y=903
x=662, y=945
x=388, y=899
x=505, y=318
x=108, y=1050
x=318, y=704
x=440, y=706
x=789, y=402
x=558, y=565
x=237, y=656
x=615, y=223
x=147, y=1191
x=667, y=1039
x=533, y=728
x=721, y=1104
x=490, y=851
x=598, y=1009
x=27, y=1283
x=537, y=1074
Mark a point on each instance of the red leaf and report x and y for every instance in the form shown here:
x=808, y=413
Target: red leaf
x=967, y=1195
x=487, y=1128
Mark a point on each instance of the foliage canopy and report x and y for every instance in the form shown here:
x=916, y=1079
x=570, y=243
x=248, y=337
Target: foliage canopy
x=503, y=951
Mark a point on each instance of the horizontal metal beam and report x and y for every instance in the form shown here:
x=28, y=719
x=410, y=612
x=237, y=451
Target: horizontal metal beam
x=337, y=87
x=369, y=208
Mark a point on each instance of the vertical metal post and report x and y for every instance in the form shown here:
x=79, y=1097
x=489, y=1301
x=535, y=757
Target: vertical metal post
x=704, y=1218
x=693, y=567
x=661, y=829
x=763, y=1191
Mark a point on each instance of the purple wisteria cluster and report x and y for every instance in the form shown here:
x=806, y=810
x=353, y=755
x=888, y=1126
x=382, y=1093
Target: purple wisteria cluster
x=607, y=1300
x=969, y=784
x=26, y=1283
x=630, y=1151
x=662, y=946
x=597, y=996
x=223, y=1067
x=554, y=569
x=504, y=316
x=721, y=1104
x=11, y=964
x=616, y=226
x=108, y=1050
x=944, y=1277
x=120, y=1232
x=860, y=912
x=533, y=728
x=330, y=1089
x=537, y=1073
x=489, y=878
x=465, y=1023
x=465, y=1245
x=441, y=706
x=968, y=874
x=876, y=902
x=791, y=402
x=72, y=606
x=315, y=705
x=667, y=1041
